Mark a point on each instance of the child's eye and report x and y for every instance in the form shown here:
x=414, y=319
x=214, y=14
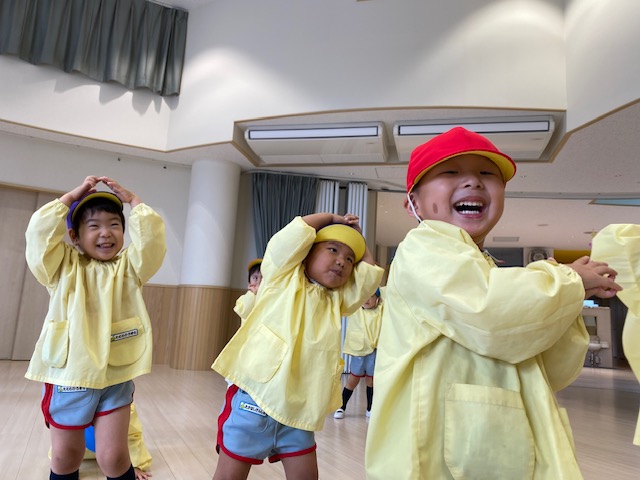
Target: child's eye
x=333, y=249
x=488, y=173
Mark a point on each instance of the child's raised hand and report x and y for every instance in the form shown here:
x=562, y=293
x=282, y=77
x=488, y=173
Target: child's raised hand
x=597, y=277
x=86, y=187
x=351, y=220
x=122, y=193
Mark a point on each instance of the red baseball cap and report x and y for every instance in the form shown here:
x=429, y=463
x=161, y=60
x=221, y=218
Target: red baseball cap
x=457, y=141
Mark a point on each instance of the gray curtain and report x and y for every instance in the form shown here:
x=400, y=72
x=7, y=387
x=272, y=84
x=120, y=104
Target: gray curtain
x=277, y=199
x=137, y=43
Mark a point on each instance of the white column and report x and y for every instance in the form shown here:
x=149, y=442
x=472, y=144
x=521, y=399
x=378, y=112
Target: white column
x=211, y=223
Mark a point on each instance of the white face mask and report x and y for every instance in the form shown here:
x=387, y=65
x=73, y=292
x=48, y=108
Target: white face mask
x=413, y=210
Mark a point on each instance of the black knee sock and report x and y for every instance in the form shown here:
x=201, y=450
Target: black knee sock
x=346, y=395
x=67, y=476
x=128, y=475
x=369, y=397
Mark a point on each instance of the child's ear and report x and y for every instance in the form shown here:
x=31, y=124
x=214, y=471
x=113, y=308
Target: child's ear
x=73, y=236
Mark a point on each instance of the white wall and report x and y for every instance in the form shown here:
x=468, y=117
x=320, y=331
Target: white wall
x=603, y=71
x=43, y=165
x=48, y=98
x=299, y=56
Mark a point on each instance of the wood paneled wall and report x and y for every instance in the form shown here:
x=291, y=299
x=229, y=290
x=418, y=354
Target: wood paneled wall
x=191, y=324
x=23, y=300
x=202, y=326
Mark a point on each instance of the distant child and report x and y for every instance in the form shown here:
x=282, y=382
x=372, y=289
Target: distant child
x=360, y=341
x=97, y=333
x=245, y=303
x=140, y=456
x=470, y=354
x=619, y=245
x=285, y=361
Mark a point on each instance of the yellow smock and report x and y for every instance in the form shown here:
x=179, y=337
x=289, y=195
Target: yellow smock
x=363, y=329
x=97, y=331
x=287, y=354
x=244, y=305
x=468, y=359
x=619, y=246
x=140, y=456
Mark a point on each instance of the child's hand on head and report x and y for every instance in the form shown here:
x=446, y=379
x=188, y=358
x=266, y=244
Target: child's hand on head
x=122, y=193
x=86, y=187
x=351, y=220
x=597, y=277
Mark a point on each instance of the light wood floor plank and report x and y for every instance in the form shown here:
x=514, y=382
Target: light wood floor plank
x=179, y=409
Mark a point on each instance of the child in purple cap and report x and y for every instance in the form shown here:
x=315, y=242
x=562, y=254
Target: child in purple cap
x=97, y=333
x=470, y=355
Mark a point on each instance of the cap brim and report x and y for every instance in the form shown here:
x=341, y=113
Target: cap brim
x=344, y=234
x=108, y=195
x=506, y=165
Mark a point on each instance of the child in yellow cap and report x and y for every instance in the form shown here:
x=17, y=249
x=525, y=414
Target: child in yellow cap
x=285, y=361
x=619, y=245
x=244, y=303
x=470, y=354
x=360, y=342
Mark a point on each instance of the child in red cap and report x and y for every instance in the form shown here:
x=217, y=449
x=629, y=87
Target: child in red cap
x=469, y=354
x=284, y=361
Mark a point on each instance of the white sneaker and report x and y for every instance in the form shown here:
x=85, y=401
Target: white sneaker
x=339, y=413
x=368, y=413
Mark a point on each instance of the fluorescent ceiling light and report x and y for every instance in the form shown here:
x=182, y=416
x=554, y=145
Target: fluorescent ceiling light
x=478, y=127
x=620, y=202
x=312, y=132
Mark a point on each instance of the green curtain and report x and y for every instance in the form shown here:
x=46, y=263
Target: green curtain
x=277, y=199
x=136, y=43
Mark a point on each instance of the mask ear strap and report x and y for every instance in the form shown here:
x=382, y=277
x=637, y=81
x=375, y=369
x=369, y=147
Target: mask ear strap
x=413, y=210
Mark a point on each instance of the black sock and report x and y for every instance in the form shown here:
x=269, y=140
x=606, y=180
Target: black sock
x=67, y=476
x=369, y=397
x=346, y=395
x=128, y=475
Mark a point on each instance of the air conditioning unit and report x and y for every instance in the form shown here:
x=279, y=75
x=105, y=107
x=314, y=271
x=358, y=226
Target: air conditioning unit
x=522, y=138
x=533, y=254
x=330, y=144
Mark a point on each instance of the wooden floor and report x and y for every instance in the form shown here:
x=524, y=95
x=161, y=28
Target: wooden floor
x=179, y=408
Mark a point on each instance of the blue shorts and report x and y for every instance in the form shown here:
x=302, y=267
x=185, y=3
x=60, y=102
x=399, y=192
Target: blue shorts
x=361, y=366
x=75, y=408
x=248, y=434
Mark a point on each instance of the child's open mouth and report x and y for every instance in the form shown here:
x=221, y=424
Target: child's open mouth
x=469, y=208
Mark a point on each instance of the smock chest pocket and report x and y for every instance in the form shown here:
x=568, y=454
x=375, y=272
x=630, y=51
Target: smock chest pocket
x=486, y=430
x=128, y=342
x=55, y=345
x=262, y=354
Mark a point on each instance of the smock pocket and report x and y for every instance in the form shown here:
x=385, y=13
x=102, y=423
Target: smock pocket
x=262, y=354
x=486, y=430
x=55, y=347
x=128, y=342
